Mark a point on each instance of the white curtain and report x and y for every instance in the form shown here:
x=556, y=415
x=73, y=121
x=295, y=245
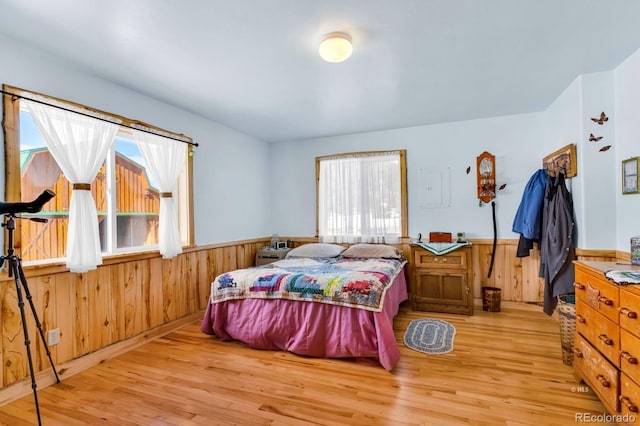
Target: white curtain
x=359, y=198
x=79, y=144
x=165, y=160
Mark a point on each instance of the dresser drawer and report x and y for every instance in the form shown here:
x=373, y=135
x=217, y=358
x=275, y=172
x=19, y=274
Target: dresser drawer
x=597, y=293
x=603, y=334
x=629, y=400
x=603, y=377
x=454, y=260
x=630, y=354
x=630, y=312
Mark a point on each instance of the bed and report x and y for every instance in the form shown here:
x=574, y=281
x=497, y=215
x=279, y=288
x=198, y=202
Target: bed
x=321, y=301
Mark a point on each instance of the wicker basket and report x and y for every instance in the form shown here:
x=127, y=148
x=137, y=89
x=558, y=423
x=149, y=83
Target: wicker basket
x=491, y=299
x=567, y=314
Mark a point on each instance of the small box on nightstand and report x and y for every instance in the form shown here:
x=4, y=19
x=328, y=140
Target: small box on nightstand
x=269, y=255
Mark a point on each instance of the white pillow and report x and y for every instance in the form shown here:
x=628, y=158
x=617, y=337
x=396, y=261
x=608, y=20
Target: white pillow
x=372, y=250
x=316, y=250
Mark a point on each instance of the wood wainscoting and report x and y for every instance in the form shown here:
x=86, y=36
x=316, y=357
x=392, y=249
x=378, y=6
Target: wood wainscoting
x=142, y=296
x=125, y=297
x=517, y=277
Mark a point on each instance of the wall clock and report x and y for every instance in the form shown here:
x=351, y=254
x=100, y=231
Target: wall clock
x=486, y=176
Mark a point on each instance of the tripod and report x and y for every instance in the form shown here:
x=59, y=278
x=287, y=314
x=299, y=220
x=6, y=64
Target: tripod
x=11, y=210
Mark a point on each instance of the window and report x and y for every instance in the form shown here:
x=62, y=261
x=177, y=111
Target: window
x=137, y=204
x=361, y=197
x=126, y=199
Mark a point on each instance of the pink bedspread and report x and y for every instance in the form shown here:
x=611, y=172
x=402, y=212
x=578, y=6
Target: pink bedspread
x=312, y=329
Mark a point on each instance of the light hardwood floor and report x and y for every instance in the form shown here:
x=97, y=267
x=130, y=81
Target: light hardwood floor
x=506, y=369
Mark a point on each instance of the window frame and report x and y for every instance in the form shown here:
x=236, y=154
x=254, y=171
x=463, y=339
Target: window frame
x=11, y=130
x=123, y=134
x=403, y=185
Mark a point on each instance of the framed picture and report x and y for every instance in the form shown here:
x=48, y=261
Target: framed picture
x=563, y=160
x=630, y=176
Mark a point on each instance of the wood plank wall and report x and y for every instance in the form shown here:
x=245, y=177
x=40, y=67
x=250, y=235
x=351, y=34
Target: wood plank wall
x=121, y=299
x=517, y=277
x=131, y=295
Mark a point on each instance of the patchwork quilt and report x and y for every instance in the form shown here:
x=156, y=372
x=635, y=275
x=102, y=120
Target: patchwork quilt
x=353, y=282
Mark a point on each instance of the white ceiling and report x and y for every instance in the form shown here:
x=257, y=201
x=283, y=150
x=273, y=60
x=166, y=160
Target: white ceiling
x=253, y=65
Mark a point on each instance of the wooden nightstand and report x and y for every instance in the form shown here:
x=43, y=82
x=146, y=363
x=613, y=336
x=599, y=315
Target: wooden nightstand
x=269, y=255
x=442, y=283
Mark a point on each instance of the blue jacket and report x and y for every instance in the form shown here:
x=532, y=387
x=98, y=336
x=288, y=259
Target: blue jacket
x=528, y=220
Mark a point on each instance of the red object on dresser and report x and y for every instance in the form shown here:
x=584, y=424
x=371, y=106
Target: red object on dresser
x=439, y=237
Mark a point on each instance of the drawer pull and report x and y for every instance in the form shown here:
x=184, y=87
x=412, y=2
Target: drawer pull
x=628, y=313
x=626, y=355
x=607, y=341
x=577, y=353
x=578, y=286
x=606, y=301
x=580, y=319
x=603, y=381
x=626, y=401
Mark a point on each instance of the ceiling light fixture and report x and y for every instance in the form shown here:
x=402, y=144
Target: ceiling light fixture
x=335, y=47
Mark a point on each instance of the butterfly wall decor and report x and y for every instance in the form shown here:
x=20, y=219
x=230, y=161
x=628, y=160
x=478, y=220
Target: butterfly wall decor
x=594, y=138
x=605, y=148
x=603, y=118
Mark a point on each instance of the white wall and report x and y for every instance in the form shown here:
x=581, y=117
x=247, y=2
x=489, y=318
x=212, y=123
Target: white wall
x=514, y=140
x=598, y=179
x=245, y=188
x=563, y=125
x=230, y=197
x=627, y=144
x=568, y=120
x=605, y=218
x=562, y=119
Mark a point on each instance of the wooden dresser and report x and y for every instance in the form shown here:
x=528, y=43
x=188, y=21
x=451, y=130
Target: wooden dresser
x=607, y=337
x=441, y=283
